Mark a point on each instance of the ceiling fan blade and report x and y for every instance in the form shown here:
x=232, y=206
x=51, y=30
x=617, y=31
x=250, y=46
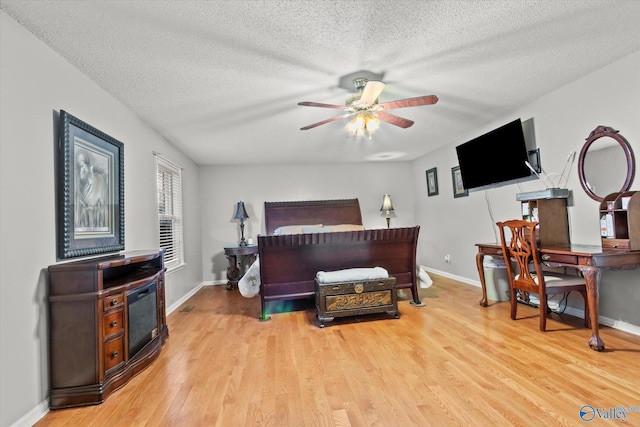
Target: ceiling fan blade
x=395, y=120
x=371, y=92
x=320, y=104
x=332, y=119
x=410, y=102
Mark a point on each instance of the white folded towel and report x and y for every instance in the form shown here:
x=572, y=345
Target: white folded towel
x=352, y=274
x=425, y=280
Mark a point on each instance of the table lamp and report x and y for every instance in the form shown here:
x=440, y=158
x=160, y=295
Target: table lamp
x=387, y=208
x=241, y=214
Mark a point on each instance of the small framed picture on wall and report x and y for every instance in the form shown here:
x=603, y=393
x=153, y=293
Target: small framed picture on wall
x=432, y=182
x=458, y=187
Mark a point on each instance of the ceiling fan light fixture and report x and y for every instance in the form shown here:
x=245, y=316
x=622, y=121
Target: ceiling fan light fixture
x=373, y=124
x=356, y=125
x=365, y=110
x=363, y=122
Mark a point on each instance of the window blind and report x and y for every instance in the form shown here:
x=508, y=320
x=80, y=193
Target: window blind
x=170, y=211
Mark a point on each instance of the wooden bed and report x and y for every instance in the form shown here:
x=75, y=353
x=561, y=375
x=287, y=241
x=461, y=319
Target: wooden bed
x=289, y=263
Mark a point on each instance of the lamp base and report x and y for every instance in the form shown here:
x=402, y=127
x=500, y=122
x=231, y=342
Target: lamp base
x=243, y=242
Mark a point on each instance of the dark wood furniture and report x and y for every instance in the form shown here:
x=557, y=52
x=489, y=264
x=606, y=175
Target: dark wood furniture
x=620, y=220
x=289, y=263
x=591, y=260
x=588, y=178
x=238, y=257
x=552, y=216
x=325, y=212
x=522, y=248
x=355, y=298
x=99, y=339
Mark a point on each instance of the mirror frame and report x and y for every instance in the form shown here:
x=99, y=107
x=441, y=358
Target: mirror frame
x=597, y=133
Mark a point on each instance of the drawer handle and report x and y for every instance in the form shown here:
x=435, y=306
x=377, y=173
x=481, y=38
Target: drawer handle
x=114, y=302
x=546, y=257
x=114, y=323
x=499, y=252
x=114, y=354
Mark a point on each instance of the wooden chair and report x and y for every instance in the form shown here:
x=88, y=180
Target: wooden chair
x=522, y=248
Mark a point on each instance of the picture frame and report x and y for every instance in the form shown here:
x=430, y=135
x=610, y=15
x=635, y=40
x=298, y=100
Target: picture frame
x=432, y=182
x=90, y=182
x=456, y=179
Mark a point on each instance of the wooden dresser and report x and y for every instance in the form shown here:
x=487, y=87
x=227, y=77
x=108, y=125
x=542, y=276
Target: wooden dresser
x=107, y=322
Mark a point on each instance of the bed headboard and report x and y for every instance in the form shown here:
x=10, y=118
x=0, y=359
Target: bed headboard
x=326, y=212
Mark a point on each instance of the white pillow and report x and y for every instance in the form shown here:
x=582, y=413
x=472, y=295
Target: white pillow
x=316, y=229
x=292, y=229
x=347, y=227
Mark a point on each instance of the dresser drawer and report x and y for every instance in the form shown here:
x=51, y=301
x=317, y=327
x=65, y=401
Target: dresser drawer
x=563, y=259
x=615, y=243
x=492, y=251
x=113, y=353
x=113, y=323
x=113, y=301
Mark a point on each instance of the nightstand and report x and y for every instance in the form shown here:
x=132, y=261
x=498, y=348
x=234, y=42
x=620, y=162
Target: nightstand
x=239, y=257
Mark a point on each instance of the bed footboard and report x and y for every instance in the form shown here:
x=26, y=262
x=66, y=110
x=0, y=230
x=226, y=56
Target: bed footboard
x=289, y=263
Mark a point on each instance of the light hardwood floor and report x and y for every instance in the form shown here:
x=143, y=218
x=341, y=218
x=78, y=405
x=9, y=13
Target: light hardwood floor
x=449, y=363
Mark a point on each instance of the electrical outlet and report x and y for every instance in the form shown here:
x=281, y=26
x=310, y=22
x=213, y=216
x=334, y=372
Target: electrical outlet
x=447, y=258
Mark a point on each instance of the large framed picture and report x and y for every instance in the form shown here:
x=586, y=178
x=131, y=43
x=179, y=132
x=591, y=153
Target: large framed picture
x=458, y=187
x=90, y=190
x=432, y=182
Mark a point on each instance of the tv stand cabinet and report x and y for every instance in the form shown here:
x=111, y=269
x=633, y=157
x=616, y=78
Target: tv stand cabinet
x=90, y=321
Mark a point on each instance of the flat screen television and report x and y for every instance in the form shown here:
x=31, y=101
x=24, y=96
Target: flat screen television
x=494, y=158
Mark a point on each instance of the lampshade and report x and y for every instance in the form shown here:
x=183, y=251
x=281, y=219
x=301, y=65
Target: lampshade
x=241, y=212
x=386, y=203
x=387, y=207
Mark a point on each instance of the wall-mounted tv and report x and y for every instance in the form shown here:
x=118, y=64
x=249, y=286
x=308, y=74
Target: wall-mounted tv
x=495, y=158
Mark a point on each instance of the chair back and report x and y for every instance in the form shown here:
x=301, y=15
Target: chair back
x=521, y=246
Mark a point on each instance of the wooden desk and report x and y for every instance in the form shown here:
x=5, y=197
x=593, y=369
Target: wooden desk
x=235, y=271
x=591, y=260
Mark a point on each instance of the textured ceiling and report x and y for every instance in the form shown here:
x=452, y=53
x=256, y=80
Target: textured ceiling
x=222, y=79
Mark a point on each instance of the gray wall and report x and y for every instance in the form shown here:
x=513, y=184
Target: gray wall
x=223, y=186
x=35, y=83
x=563, y=120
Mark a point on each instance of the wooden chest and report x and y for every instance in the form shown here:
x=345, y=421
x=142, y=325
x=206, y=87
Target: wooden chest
x=355, y=298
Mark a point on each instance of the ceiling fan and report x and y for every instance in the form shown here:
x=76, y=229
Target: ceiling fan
x=368, y=113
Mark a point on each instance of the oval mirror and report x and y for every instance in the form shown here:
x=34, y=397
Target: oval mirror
x=606, y=163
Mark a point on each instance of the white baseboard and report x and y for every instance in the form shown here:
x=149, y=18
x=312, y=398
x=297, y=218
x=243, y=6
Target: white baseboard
x=34, y=415
x=182, y=300
x=475, y=283
x=215, y=283
x=612, y=323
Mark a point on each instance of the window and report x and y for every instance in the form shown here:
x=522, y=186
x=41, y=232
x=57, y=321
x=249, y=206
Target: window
x=170, y=212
